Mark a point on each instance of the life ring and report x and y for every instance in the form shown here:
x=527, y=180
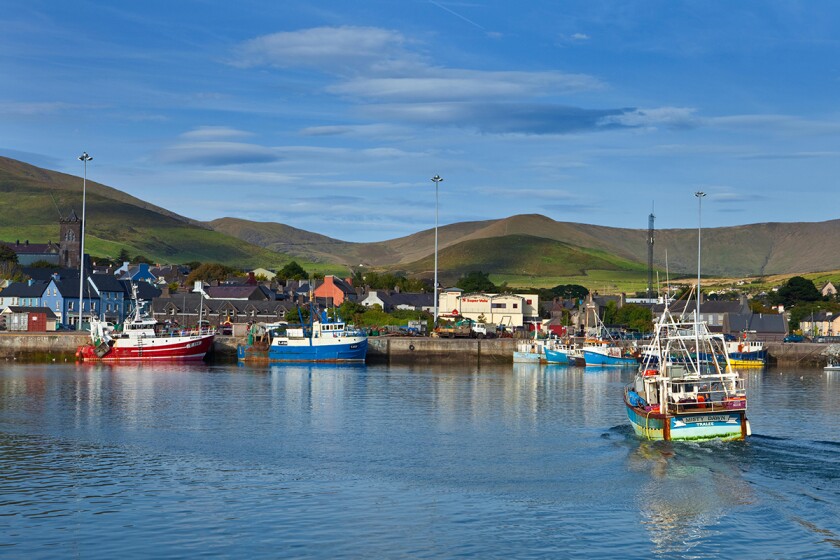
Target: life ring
x=411, y=347
x=650, y=372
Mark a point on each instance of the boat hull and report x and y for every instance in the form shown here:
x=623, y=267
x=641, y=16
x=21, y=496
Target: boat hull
x=527, y=357
x=186, y=348
x=695, y=426
x=556, y=356
x=350, y=350
x=597, y=359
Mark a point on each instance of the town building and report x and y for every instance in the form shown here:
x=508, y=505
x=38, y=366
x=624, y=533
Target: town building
x=822, y=323
x=335, y=290
x=28, y=319
x=390, y=300
x=506, y=310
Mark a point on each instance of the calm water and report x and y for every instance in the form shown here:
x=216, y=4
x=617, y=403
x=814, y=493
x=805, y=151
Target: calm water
x=399, y=462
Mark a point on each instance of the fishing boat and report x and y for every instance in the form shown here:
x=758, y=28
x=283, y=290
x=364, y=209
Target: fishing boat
x=687, y=389
x=746, y=352
x=608, y=353
x=323, y=340
x=529, y=352
x=833, y=365
x=144, y=338
x=563, y=353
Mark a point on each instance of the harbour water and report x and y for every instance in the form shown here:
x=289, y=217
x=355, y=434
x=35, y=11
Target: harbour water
x=286, y=461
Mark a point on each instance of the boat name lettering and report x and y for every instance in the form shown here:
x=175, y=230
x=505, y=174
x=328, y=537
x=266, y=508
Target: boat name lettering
x=706, y=420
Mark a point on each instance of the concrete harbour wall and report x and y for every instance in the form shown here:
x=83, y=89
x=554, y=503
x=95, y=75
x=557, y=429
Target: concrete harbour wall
x=41, y=347
x=61, y=346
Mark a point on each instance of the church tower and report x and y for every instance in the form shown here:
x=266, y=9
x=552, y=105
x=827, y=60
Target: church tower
x=70, y=243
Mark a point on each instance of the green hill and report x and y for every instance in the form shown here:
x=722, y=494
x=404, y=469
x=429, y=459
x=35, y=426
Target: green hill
x=522, y=250
x=32, y=199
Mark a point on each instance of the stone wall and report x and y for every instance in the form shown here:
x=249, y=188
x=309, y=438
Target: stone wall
x=41, y=347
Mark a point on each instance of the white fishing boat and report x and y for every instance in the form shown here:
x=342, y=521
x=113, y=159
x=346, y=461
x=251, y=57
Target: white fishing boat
x=687, y=388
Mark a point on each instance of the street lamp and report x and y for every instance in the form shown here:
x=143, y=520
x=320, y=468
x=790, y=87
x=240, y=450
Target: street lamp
x=436, y=179
x=699, y=195
x=84, y=158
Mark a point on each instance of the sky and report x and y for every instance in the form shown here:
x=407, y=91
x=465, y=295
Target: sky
x=333, y=116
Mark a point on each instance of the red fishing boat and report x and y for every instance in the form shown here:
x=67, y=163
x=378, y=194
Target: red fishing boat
x=144, y=338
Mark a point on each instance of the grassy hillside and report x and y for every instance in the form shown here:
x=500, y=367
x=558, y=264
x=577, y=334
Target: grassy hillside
x=756, y=249
x=527, y=258
x=523, y=250
x=32, y=199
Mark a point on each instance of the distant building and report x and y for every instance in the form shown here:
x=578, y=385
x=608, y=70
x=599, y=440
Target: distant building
x=828, y=289
x=29, y=319
x=390, y=300
x=508, y=310
x=335, y=289
x=823, y=323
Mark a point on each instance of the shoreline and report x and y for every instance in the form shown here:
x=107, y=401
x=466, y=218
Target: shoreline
x=62, y=346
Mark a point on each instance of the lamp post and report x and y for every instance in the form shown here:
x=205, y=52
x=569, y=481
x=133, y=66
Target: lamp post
x=436, y=179
x=84, y=158
x=699, y=195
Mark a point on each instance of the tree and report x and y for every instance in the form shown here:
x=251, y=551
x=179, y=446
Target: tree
x=141, y=259
x=635, y=317
x=796, y=290
x=7, y=254
x=9, y=270
x=123, y=256
x=209, y=272
x=292, y=271
x=570, y=291
x=476, y=281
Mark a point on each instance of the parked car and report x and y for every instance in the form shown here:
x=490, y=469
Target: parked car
x=794, y=338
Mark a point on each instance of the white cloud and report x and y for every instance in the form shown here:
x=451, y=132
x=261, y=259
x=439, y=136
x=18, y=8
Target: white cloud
x=218, y=153
x=214, y=132
x=451, y=84
x=671, y=117
x=333, y=48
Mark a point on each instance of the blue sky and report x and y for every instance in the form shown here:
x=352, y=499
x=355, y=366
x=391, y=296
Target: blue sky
x=332, y=116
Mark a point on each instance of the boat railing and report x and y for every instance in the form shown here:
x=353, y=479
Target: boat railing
x=713, y=403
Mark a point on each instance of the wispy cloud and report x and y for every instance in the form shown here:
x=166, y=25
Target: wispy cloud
x=450, y=84
x=670, y=117
x=214, y=132
x=332, y=49
x=501, y=118
x=218, y=153
x=37, y=108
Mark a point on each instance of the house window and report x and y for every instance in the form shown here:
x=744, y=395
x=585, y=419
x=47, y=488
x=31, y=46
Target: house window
x=57, y=307
x=516, y=306
x=69, y=306
x=528, y=301
x=498, y=305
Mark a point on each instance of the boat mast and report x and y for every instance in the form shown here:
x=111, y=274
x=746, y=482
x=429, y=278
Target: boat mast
x=699, y=195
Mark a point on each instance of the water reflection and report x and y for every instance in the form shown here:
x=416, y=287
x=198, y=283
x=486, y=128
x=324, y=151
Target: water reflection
x=691, y=489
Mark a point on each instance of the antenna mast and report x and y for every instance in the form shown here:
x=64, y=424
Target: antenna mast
x=651, y=218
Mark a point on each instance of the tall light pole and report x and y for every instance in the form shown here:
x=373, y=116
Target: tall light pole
x=84, y=158
x=699, y=195
x=436, y=179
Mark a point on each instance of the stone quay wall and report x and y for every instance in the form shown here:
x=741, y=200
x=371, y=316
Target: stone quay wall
x=41, y=347
x=61, y=346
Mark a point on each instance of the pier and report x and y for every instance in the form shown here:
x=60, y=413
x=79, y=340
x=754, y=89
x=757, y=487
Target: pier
x=61, y=346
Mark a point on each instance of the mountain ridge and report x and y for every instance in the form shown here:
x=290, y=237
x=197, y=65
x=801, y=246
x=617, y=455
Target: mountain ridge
x=118, y=220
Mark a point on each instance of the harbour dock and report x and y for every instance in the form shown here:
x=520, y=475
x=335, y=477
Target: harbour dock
x=61, y=346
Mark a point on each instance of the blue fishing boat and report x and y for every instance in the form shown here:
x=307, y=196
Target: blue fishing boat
x=560, y=353
x=686, y=388
x=608, y=354
x=323, y=340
